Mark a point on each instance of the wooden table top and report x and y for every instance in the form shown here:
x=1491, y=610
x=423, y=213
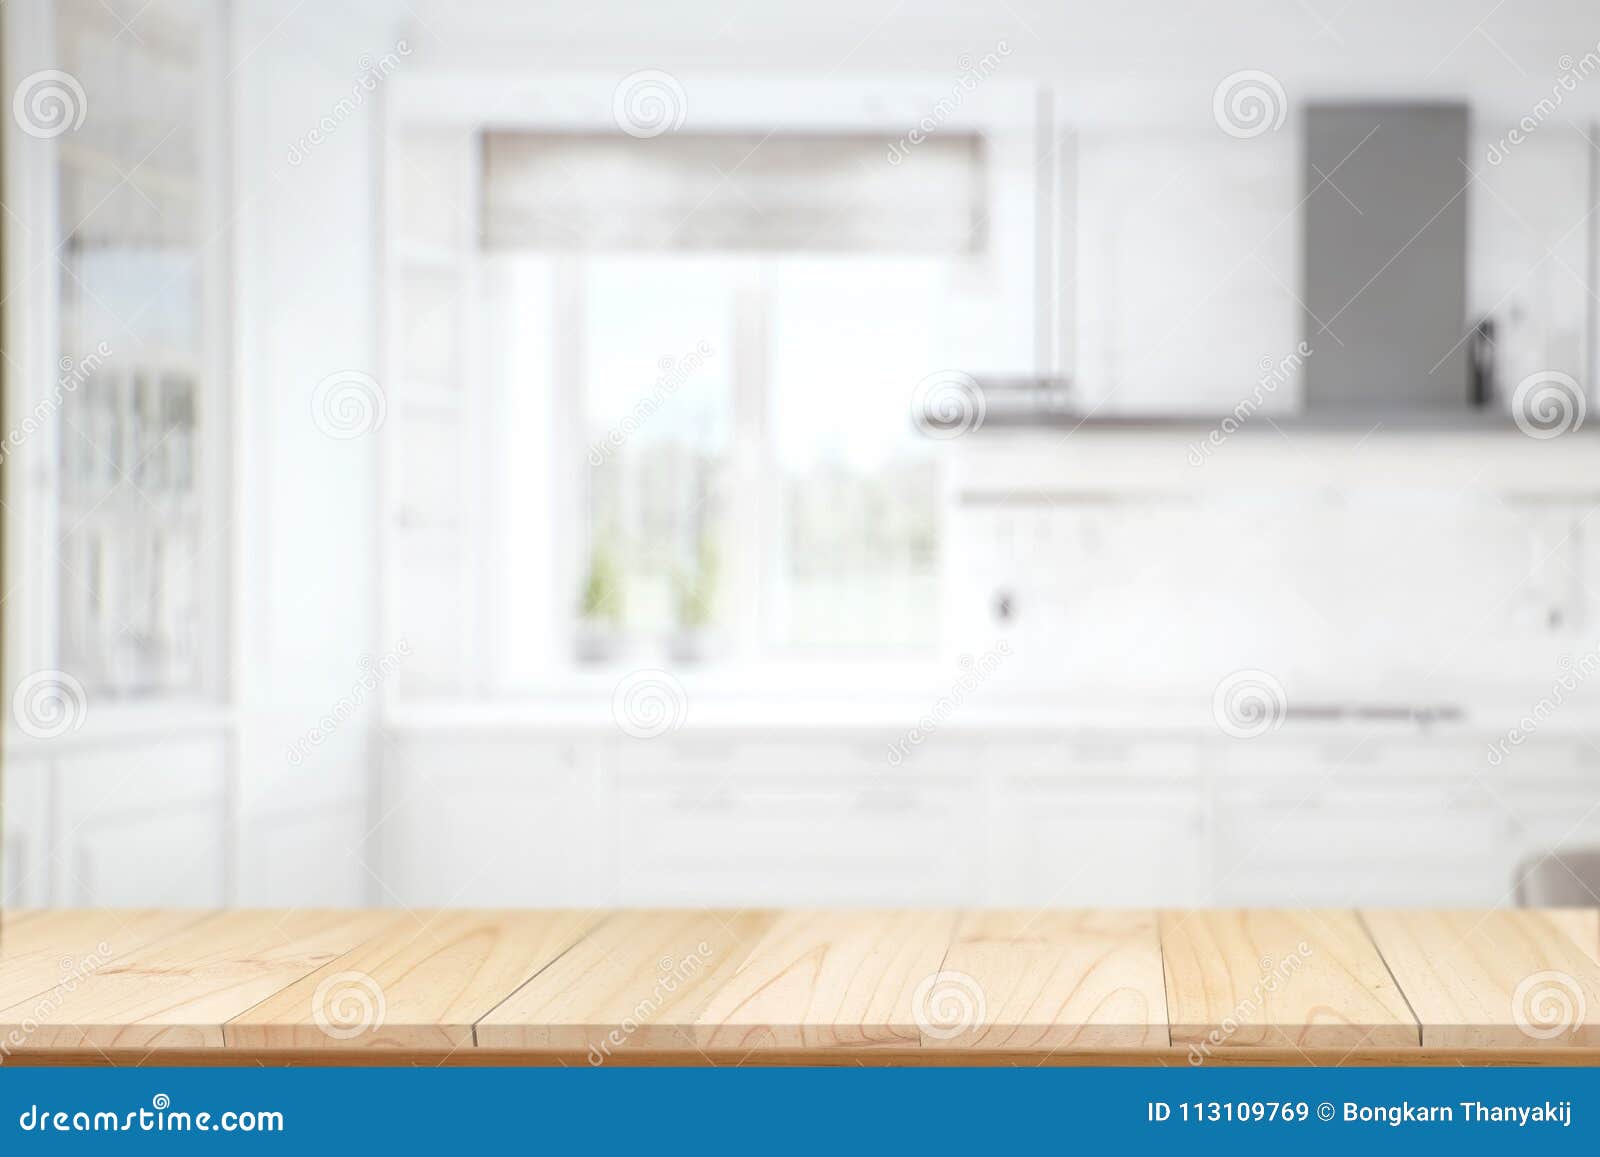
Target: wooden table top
x=816, y=986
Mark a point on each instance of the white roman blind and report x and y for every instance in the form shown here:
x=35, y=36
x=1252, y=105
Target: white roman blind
x=816, y=192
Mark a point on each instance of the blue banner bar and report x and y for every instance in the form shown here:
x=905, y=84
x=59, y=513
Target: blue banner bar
x=804, y=1110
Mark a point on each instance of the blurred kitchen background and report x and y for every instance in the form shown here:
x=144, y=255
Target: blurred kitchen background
x=486, y=453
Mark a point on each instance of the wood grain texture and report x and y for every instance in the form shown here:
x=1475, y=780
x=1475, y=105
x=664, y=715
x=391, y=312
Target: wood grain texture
x=423, y=986
x=1582, y=926
x=178, y=989
x=1041, y=981
x=1302, y=978
x=829, y=979
x=637, y=981
x=1496, y=979
x=822, y=987
x=45, y=956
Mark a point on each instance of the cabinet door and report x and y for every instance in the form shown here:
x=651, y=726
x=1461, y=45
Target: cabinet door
x=793, y=823
x=143, y=826
x=1098, y=842
x=25, y=838
x=499, y=821
x=1343, y=844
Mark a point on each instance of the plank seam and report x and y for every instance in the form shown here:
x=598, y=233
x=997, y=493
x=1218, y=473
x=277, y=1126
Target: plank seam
x=1361, y=918
x=584, y=934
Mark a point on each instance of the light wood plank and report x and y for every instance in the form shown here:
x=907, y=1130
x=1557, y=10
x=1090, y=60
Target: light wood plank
x=46, y=954
x=829, y=979
x=638, y=981
x=1049, y=980
x=177, y=991
x=422, y=987
x=1582, y=926
x=1496, y=979
x=1309, y=979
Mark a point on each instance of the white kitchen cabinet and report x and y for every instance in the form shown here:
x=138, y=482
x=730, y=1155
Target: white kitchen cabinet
x=796, y=822
x=498, y=820
x=1311, y=840
x=25, y=834
x=1102, y=821
x=142, y=823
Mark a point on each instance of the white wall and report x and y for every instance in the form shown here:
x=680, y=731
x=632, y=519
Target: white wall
x=306, y=308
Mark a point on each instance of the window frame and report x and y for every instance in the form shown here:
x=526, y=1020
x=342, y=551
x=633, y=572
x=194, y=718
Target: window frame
x=1028, y=164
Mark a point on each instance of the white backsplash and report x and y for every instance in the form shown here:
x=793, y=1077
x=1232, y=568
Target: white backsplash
x=1349, y=578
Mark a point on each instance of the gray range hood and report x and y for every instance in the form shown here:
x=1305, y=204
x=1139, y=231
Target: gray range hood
x=1385, y=259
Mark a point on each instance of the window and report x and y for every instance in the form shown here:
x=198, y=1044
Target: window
x=694, y=359
x=133, y=572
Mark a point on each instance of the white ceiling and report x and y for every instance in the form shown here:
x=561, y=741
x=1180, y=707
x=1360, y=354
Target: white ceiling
x=1117, y=61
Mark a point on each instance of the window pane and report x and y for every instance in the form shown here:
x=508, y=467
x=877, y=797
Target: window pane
x=134, y=605
x=858, y=549
x=658, y=405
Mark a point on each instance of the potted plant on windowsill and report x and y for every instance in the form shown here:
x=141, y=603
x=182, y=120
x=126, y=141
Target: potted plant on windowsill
x=696, y=591
x=599, y=633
